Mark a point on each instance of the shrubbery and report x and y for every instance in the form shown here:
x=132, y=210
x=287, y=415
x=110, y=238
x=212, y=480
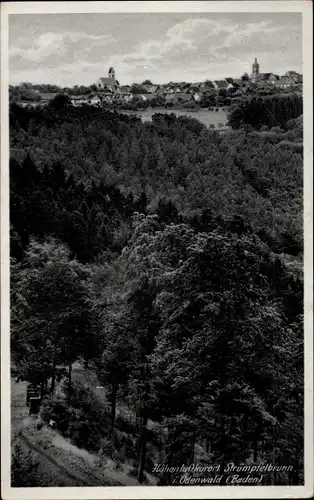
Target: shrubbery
x=56, y=409
x=86, y=421
x=24, y=469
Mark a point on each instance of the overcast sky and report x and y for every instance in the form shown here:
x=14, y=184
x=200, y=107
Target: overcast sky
x=76, y=49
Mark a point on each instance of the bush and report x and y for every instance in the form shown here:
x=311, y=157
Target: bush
x=89, y=419
x=133, y=472
x=118, y=465
x=277, y=130
x=107, y=447
x=24, y=469
x=55, y=408
x=189, y=105
x=60, y=101
x=82, y=433
x=86, y=422
x=123, y=424
x=291, y=124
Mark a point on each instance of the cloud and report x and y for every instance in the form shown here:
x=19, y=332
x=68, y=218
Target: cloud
x=197, y=36
x=194, y=40
x=51, y=43
x=190, y=48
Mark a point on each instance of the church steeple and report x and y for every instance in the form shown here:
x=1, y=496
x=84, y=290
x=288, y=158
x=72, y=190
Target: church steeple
x=111, y=73
x=255, y=70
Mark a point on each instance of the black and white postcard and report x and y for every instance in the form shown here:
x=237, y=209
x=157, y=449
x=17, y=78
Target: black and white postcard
x=156, y=250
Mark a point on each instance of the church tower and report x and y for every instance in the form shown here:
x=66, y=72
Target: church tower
x=112, y=73
x=255, y=71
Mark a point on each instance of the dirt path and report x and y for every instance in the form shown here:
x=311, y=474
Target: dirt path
x=53, y=461
x=59, y=460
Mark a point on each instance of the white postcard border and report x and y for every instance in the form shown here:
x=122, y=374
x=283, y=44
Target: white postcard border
x=156, y=492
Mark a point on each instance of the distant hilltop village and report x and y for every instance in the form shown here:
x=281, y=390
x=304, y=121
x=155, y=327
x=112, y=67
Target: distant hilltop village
x=262, y=80
x=289, y=79
x=108, y=90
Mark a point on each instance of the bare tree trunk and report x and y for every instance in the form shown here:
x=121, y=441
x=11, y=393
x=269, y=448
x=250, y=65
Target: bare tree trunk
x=142, y=450
x=243, y=444
x=193, y=447
x=207, y=445
x=138, y=428
x=113, y=405
x=42, y=389
x=257, y=437
x=273, y=476
x=53, y=377
x=222, y=449
x=255, y=449
x=262, y=446
x=296, y=467
x=70, y=384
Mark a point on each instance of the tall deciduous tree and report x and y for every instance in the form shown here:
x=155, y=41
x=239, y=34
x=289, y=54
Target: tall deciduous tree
x=51, y=321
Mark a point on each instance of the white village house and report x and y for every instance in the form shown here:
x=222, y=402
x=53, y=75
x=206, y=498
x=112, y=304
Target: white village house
x=95, y=100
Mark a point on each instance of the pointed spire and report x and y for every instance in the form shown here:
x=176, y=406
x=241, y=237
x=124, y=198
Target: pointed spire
x=255, y=70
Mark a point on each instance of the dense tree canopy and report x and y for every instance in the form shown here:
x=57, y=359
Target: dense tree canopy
x=270, y=110
x=169, y=257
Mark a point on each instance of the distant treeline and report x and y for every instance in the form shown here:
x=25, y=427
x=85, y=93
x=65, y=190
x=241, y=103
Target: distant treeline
x=270, y=110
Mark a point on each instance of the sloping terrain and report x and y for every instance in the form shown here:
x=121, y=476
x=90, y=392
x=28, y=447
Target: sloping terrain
x=60, y=462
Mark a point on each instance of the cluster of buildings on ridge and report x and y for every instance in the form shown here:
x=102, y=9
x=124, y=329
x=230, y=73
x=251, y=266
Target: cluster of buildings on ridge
x=108, y=89
x=111, y=86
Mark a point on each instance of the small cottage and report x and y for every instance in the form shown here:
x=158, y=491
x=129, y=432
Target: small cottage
x=267, y=78
x=95, y=101
x=124, y=89
x=79, y=100
x=183, y=98
x=46, y=97
x=220, y=84
x=297, y=78
x=197, y=96
x=285, y=82
x=151, y=89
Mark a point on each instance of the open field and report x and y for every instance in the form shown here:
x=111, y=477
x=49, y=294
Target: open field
x=204, y=116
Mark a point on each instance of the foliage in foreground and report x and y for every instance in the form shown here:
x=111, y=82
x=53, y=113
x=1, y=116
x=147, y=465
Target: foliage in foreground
x=24, y=469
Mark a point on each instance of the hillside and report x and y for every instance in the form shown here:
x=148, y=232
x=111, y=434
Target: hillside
x=52, y=459
x=163, y=263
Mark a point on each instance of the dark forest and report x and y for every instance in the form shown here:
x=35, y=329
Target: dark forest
x=166, y=259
